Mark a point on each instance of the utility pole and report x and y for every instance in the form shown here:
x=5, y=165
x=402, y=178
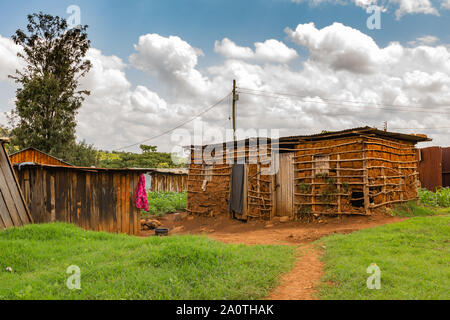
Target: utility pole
x=235, y=98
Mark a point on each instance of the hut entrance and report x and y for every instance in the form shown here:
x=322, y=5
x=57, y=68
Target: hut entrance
x=285, y=185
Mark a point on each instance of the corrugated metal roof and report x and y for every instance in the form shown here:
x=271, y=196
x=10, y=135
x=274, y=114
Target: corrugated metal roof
x=341, y=133
x=35, y=149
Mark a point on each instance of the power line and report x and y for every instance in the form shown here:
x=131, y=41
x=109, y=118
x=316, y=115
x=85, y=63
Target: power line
x=178, y=126
x=338, y=102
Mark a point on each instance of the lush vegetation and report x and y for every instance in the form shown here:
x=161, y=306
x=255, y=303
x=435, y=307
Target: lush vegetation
x=160, y=203
x=124, y=267
x=412, y=255
x=440, y=198
x=412, y=209
x=148, y=158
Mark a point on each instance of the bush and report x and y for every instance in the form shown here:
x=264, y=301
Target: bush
x=160, y=203
x=440, y=198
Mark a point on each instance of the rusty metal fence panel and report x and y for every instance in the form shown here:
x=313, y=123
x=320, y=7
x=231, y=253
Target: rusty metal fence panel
x=430, y=168
x=446, y=167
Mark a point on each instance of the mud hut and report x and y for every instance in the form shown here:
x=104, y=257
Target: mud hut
x=347, y=172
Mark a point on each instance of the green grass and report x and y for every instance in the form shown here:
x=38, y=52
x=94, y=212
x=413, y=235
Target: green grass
x=411, y=209
x=413, y=255
x=124, y=267
x=160, y=203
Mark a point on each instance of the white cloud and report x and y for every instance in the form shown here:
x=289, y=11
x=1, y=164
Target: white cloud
x=339, y=46
x=272, y=51
x=425, y=40
x=229, y=49
x=445, y=4
x=171, y=59
x=414, y=6
x=9, y=61
x=403, y=6
x=343, y=81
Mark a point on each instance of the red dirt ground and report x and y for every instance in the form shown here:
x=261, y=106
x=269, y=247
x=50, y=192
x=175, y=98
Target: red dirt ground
x=301, y=282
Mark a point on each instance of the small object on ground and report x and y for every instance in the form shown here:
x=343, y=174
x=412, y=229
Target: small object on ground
x=178, y=216
x=269, y=225
x=284, y=219
x=9, y=269
x=177, y=229
x=291, y=235
x=161, y=231
x=149, y=224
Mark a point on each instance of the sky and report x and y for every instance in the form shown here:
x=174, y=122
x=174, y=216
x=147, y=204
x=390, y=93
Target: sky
x=301, y=66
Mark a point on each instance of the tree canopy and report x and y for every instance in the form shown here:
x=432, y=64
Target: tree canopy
x=48, y=97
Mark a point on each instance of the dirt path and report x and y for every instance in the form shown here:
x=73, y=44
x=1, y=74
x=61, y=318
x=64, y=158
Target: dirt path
x=301, y=282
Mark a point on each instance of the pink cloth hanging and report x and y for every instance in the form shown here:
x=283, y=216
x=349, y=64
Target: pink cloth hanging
x=140, y=198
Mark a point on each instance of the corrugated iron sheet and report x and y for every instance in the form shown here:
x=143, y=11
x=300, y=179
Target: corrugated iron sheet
x=430, y=168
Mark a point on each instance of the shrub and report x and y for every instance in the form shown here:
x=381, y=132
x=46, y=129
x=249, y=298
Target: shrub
x=160, y=203
x=440, y=198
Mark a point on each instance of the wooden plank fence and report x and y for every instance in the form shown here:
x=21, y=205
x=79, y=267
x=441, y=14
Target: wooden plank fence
x=13, y=211
x=92, y=198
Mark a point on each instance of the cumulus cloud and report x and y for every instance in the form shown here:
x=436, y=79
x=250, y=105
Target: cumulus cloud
x=171, y=59
x=339, y=46
x=9, y=61
x=425, y=40
x=445, y=4
x=346, y=81
x=272, y=51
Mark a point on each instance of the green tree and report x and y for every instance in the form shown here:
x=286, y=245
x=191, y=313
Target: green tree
x=82, y=154
x=48, y=97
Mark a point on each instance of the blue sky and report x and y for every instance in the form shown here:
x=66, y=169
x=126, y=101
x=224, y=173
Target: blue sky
x=115, y=27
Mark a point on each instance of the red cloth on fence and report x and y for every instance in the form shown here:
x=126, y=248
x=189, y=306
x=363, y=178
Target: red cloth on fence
x=140, y=198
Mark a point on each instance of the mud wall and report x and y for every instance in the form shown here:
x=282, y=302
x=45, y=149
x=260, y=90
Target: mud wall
x=354, y=175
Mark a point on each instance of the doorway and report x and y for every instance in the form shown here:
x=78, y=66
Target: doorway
x=285, y=185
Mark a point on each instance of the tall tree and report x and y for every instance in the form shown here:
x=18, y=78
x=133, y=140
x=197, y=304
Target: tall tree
x=48, y=98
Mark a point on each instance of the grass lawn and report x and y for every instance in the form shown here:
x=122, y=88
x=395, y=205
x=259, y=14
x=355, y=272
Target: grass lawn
x=124, y=267
x=413, y=255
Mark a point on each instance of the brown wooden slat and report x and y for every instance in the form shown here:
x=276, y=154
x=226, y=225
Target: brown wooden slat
x=14, y=189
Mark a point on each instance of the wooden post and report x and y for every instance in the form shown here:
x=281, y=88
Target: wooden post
x=338, y=158
x=234, y=110
x=313, y=186
x=366, y=182
x=384, y=186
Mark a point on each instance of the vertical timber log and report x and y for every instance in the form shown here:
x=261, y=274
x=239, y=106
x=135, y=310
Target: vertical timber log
x=366, y=180
x=338, y=158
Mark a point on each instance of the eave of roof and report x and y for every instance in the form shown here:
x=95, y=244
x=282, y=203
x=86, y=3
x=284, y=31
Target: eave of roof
x=32, y=148
x=333, y=134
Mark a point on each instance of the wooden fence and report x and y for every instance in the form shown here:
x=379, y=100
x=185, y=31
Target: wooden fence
x=13, y=211
x=92, y=198
x=174, y=180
